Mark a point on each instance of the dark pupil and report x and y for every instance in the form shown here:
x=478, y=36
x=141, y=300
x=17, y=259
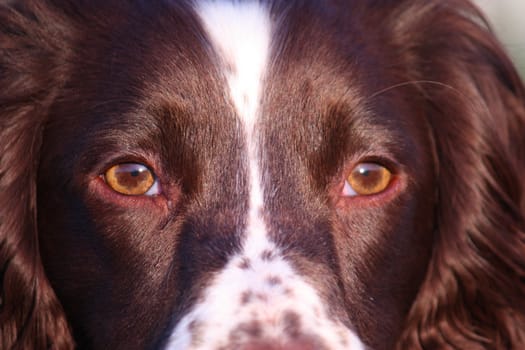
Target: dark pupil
x=364, y=172
x=131, y=178
x=369, y=177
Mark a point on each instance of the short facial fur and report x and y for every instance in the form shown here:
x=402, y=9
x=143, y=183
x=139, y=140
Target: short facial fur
x=251, y=115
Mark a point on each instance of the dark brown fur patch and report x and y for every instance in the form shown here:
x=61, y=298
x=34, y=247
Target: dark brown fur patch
x=274, y=280
x=267, y=255
x=245, y=263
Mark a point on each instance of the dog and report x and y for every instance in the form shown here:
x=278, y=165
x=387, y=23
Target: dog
x=259, y=175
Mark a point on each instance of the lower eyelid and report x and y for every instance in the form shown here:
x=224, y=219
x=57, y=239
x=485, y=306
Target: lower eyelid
x=103, y=192
x=397, y=186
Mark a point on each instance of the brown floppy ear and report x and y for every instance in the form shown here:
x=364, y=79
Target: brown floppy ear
x=30, y=315
x=474, y=293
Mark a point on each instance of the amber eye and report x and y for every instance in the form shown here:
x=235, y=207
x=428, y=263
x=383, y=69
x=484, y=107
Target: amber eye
x=131, y=179
x=367, y=179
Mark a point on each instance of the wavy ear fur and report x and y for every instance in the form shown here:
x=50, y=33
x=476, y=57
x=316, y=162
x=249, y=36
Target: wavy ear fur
x=32, y=51
x=474, y=293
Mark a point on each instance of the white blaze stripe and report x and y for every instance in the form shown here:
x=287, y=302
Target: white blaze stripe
x=241, y=35
x=223, y=313
x=257, y=285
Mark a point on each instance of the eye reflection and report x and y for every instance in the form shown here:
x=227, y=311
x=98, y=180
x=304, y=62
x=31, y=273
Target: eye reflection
x=367, y=179
x=132, y=179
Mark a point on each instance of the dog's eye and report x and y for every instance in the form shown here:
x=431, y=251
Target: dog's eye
x=367, y=179
x=131, y=179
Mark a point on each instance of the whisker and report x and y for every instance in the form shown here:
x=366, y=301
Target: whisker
x=415, y=82
x=475, y=104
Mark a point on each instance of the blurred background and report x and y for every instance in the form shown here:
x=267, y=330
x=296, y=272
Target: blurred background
x=507, y=18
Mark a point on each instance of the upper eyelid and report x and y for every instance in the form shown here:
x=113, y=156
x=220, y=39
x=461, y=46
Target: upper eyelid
x=103, y=162
x=386, y=160
x=112, y=164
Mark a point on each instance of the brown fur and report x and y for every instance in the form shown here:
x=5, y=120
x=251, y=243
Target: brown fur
x=443, y=62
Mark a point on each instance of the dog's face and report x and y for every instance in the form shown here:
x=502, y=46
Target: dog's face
x=273, y=175
x=277, y=194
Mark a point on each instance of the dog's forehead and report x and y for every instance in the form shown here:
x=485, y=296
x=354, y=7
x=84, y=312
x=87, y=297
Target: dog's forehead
x=246, y=39
x=241, y=35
